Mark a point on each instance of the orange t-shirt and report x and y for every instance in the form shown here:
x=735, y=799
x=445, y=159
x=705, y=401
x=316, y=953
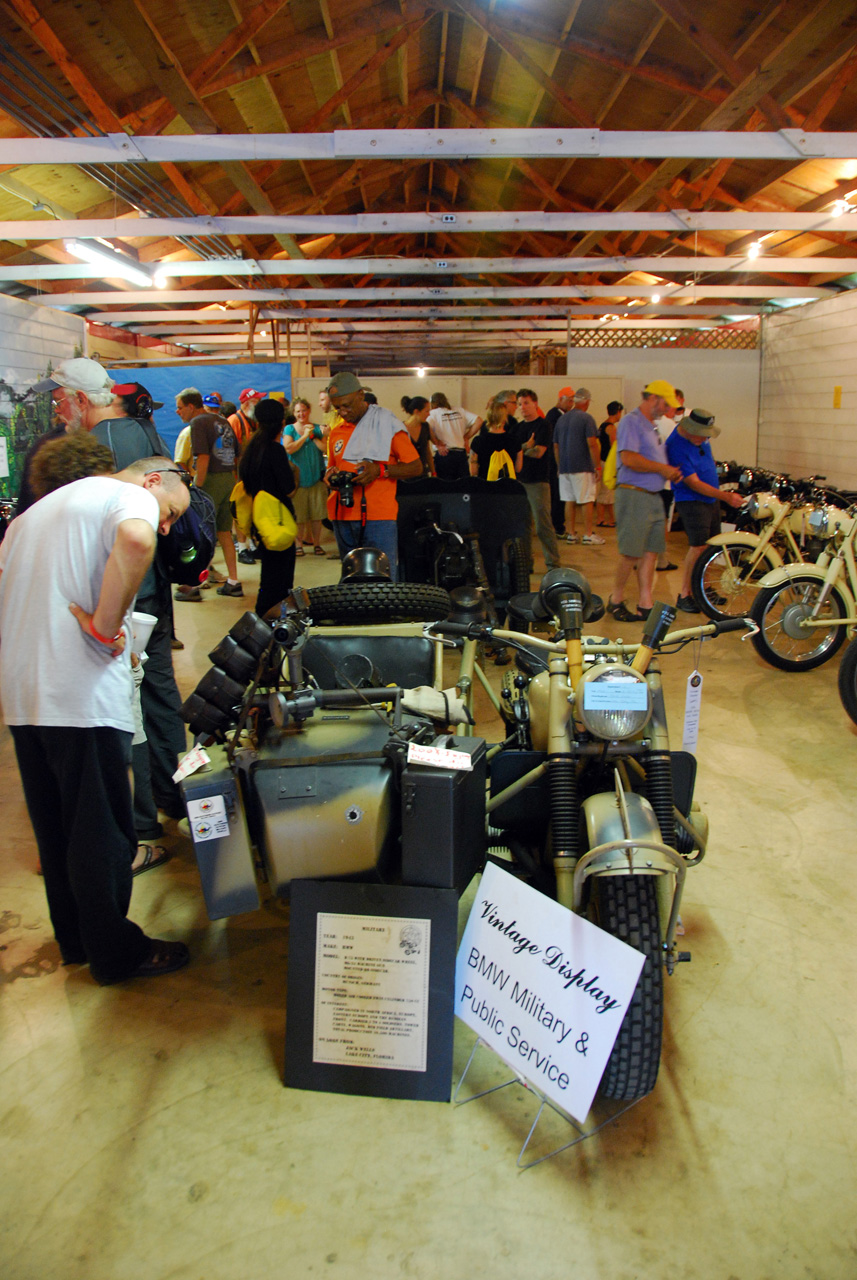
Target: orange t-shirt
x=381, y=501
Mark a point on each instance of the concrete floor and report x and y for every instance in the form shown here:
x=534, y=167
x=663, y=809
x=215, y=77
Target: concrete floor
x=145, y=1129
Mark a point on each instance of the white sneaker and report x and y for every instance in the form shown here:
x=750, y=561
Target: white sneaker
x=572, y=537
x=592, y=540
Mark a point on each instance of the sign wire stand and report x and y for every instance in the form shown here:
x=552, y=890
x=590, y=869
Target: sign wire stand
x=544, y=1101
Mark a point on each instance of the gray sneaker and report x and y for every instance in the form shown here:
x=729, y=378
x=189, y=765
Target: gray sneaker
x=187, y=593
x=230, y=589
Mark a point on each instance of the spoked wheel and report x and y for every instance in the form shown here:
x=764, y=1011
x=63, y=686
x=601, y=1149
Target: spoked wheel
x=780, y=613
x=848, y=680
x=725, y=582
x=627, y=907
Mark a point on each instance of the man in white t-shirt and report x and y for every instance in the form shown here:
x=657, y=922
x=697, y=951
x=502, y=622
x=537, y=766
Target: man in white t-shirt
x=451, y=431
x=70, y=568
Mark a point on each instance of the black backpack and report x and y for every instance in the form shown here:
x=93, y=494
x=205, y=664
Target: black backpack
x=186, y=551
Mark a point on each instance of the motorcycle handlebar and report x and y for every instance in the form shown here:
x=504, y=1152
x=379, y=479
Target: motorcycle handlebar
x=467, y=630
x=733, y=624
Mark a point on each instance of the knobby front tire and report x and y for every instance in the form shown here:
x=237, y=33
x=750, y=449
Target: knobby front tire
x=627, y=907
x=367, y=603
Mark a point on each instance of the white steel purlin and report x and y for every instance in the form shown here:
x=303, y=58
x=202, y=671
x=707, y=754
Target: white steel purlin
x=452, y=144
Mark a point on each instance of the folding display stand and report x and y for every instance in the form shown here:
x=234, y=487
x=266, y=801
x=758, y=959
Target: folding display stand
x=544, y=1101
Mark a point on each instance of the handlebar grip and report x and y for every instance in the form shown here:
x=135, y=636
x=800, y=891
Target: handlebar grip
x=469, y=630
x=732, y=624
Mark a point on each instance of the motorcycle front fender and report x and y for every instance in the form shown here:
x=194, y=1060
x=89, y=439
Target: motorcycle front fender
x=779, y=577
x=603, y=819
x=744, y=540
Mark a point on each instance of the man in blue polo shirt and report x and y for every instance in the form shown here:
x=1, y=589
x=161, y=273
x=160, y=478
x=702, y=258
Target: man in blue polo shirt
x=697, y=494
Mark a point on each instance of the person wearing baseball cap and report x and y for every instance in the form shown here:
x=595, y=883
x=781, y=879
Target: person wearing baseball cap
x=698, y=494
x=564, y=402
x=135, y=401
x=243, y=423
x=375, y=448
x=642, y=468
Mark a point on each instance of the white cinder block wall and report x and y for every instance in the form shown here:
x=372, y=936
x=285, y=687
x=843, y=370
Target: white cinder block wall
x=33, y=337
x=806, y=354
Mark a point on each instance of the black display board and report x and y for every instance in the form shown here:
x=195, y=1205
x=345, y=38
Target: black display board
x=393, y=998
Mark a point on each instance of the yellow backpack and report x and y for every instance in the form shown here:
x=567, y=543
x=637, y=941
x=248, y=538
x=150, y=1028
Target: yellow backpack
x=608, y=475
x=500, y=463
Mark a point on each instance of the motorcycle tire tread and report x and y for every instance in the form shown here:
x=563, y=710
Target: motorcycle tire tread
x=367, y=603
x=720, y=613
x=627, y=908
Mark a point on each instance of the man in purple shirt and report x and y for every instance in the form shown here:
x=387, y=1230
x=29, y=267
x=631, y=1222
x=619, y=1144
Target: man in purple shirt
x=641, y=472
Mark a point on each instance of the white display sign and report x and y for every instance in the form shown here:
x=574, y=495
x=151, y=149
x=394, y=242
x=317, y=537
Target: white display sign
x=4, y=456
x=371, y=991
x=207, y=818
x=544, y=988
x=615, y=695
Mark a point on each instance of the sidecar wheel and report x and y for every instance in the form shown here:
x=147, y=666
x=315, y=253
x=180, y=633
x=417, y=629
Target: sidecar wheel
x=777, y=612
x=365, y=603
x=723, y=585
x=848, y=680
x=627, y=907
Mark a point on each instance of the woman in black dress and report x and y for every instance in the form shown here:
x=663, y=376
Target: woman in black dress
x=265, y=466
x=417, y=409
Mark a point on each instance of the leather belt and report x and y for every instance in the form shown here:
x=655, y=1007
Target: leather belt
x=639, y=488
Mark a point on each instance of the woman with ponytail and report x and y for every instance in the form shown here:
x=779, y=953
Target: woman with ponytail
x=417, y=410
x=268, y=478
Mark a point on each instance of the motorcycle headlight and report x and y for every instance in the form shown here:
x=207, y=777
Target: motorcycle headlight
x=613, y=701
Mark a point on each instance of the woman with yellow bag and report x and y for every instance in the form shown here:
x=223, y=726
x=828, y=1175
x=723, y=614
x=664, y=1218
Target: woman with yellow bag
x=268, y=479
x=495, y=453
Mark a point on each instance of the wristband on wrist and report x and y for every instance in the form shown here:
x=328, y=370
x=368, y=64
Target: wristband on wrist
x=382, y=470
x=103, y=639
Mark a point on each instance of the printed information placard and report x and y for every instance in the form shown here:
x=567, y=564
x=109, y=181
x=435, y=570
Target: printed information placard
x=371, y=991
x=544, y=988
x=371, y=981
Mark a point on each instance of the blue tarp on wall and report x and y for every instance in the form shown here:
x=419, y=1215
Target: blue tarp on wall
x=229, y=379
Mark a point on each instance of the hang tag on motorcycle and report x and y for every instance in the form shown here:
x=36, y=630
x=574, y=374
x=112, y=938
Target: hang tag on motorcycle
x=692, y=705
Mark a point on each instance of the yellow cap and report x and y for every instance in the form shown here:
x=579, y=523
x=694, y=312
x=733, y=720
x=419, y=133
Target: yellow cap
x=664, y=389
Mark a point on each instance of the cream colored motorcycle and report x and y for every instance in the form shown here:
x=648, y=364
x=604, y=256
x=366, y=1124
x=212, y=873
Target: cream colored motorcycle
x=804, y=611
x=730, y=570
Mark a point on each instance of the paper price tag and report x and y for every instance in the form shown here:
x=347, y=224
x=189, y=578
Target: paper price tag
x=692, y=704
x=195, y=759
x=438, y=757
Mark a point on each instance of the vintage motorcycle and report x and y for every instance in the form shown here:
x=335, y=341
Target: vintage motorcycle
x=788, y=526
x=803, y=611
x=310, y=777
x=587, y=799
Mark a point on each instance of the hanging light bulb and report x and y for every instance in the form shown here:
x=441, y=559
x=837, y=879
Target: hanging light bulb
x=421, y=371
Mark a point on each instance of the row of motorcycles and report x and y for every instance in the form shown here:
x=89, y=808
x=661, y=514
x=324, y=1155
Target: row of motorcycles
x=789, y=564
x=310, y=717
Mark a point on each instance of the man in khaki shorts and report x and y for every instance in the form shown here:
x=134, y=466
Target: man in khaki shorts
x=578, y=459
x=640, y=473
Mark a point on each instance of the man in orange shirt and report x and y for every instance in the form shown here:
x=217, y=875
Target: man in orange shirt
x=372, y=448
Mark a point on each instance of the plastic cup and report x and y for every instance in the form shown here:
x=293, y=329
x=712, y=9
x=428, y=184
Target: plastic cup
x=143, y=625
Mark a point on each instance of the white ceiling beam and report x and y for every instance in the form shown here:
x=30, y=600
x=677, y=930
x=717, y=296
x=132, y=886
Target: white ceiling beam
x=404, y=293
x=426, y=223
x=155, y=319
x=819, y=264
x=387, y=144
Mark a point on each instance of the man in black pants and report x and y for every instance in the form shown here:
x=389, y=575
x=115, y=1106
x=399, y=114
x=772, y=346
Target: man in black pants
x=65, y=682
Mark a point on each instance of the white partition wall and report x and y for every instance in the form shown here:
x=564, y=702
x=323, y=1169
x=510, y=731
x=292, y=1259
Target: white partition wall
x=32, y=338
x=808, y=400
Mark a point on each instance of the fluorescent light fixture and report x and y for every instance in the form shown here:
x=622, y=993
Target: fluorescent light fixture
x=111, y=263
x=840, y=207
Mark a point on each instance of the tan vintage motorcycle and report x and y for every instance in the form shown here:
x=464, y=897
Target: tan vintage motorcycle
x=730, y=570
x=804, y=611
x=588, y=800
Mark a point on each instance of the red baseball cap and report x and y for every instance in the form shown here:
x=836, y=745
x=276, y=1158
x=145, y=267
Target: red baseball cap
x=568, y=392
x=249, y=394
